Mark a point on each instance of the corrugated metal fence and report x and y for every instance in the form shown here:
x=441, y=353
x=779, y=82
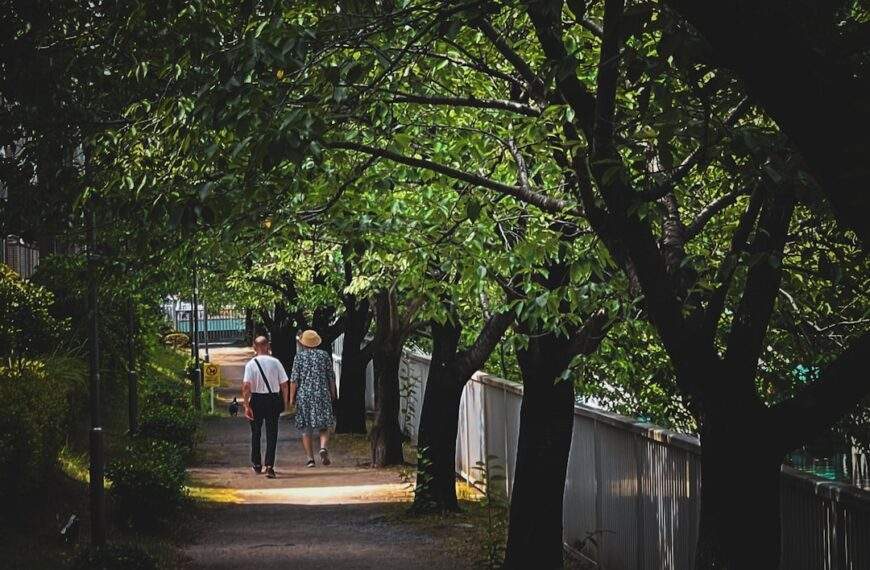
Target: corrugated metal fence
x=634, y=487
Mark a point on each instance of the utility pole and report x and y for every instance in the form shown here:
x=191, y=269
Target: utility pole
x=132, y=380
x=97, y=451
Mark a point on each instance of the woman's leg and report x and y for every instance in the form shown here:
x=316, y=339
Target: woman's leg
x=324, y=438
x=306, y=444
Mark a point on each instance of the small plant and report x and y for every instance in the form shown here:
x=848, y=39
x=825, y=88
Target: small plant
x=114, y=557
x=148, y=482
x=496, y=505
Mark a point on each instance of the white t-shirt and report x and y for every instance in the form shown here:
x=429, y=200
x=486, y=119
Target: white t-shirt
x=272, y=368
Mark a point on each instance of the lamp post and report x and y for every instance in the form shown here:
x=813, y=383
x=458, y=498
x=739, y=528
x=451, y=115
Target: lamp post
x=196, y=372
x=132, y=380
x=97, y=451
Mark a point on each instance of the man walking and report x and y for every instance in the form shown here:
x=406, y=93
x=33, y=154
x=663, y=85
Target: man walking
x=264, y=390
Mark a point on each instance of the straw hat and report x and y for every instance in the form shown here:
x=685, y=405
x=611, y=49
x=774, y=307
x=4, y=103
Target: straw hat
x=310, y=339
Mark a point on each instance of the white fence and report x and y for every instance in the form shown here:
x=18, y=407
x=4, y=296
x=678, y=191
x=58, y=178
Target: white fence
x=636, y=486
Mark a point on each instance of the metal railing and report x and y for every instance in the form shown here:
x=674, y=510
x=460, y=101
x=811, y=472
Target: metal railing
x=219, y=325
x=636, y=486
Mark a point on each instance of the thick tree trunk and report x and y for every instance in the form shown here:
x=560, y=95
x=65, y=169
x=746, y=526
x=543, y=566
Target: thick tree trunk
x=352, y=400
x=352, y=395
x=386, y=434
x=740, y=497
x=439, y=421
x=283, y=337
x=546, y=425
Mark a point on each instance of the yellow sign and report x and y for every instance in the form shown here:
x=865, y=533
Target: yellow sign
x=211, y=374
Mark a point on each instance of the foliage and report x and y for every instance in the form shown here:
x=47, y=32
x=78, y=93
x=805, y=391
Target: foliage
x=148, y=482
x=35, y=422
x=171, y=423
x=27, y=327
x=114, y=556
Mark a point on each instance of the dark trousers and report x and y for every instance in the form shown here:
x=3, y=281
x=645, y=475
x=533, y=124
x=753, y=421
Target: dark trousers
x=266, y=408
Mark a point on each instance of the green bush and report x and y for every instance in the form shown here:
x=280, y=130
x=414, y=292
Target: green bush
x=35, y=420
x=176, y=340
x=170, y=423
x=158, y=391
x=148, y=482
x=27, y=328
x=114, y=557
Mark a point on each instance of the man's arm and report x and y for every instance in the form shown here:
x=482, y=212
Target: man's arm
x=246, y=396
x=284, y=394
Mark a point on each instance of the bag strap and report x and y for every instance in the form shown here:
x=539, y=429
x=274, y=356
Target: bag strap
x=263, y=374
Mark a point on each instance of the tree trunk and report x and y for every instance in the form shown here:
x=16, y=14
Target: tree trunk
x=439, y=421
x=352, y=395
x=352, y=400
x=386, y=434
x=546, y=426
x=283, y=337
x=740, y=509
x=249, y=326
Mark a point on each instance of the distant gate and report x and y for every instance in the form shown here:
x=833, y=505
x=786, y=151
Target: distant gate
x=217, y=325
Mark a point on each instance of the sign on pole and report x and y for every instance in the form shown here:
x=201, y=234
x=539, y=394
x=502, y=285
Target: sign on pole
x=211, y=375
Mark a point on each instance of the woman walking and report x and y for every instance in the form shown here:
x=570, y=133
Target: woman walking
x=312, y=389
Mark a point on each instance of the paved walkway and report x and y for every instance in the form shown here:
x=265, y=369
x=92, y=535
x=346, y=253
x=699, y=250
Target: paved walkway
x=341, y=516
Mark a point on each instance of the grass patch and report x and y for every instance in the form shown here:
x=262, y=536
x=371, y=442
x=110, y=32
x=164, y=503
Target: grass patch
x=214, y=494
x=74, y=464
x=168, y=364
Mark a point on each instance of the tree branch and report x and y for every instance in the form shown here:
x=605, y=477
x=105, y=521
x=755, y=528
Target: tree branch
x=548, y=27
x=534, y=83
x=752, y=317
x=472, y=102
x=545, y=203
x=819, y=405
x=473, y=358
x=713, y=208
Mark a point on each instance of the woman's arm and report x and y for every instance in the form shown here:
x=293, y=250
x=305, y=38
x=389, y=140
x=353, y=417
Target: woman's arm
x=293, y=387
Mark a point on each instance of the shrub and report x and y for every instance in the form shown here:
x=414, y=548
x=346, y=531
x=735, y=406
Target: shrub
x=170, y=423
x=177, y=340
x=35, y=420
x=148, y=482
x=114, y=557
x=157, y=391
x=27, y=327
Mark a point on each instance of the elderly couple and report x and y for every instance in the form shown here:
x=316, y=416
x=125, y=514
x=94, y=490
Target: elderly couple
x=266, y=394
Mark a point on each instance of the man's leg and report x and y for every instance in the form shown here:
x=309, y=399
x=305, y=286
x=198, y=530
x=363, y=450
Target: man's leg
x=271, y=438
x=256, y=433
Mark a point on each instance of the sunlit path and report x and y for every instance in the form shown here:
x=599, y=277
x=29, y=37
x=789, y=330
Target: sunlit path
x=341, y=516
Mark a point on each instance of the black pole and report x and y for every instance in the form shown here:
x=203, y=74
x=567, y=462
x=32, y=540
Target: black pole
x=197, y=374
x=205, y=330
x=132, y=380
x=97, y=452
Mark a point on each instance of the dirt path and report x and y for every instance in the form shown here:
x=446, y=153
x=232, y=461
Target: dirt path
x=341, y=516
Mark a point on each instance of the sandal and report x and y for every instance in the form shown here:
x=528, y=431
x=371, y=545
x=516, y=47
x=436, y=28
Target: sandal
x=310, y=463
x=324, y=456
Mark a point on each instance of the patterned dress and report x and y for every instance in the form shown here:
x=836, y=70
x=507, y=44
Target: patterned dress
x=312, y=372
